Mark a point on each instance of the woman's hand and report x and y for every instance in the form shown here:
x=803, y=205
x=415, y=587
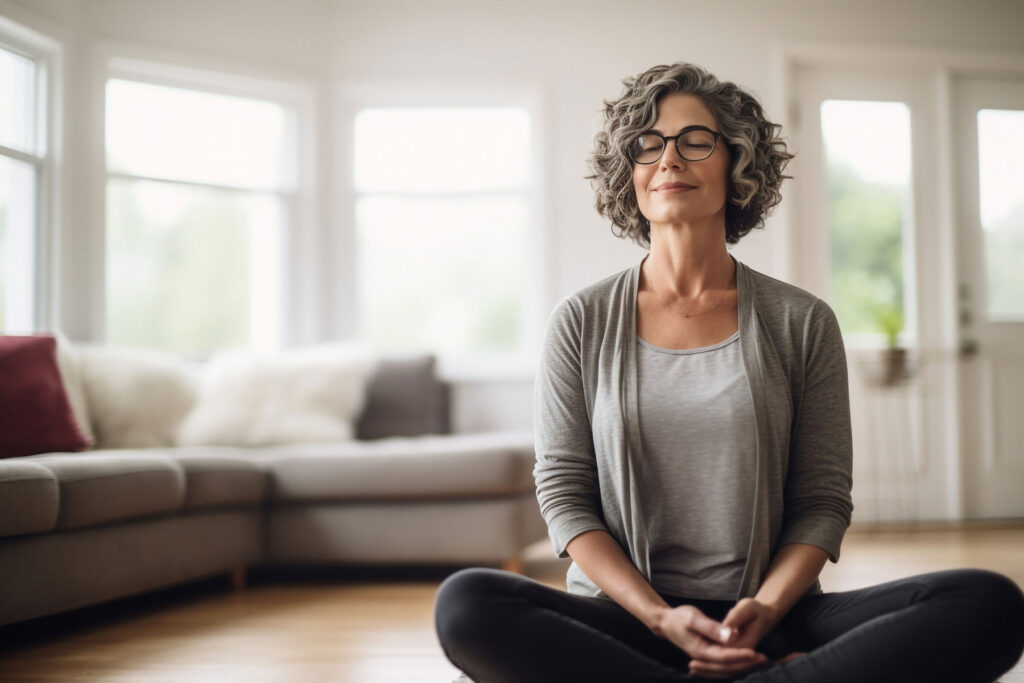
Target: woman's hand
x=703, y=639
x=749, y=621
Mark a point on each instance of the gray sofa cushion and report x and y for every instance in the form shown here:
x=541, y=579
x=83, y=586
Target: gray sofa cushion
x=404, y=398
x=28, y=498
x=217, y=477
x=101, y=487
x=427, y=467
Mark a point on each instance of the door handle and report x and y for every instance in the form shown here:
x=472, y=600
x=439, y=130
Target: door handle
x=968, y=348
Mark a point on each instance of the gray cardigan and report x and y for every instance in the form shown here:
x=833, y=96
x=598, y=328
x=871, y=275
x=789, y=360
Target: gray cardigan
x=587, y=433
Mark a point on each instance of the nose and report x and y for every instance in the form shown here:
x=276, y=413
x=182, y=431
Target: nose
x=670, y=158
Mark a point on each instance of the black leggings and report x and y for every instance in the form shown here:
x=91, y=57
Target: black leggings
x=956, y=626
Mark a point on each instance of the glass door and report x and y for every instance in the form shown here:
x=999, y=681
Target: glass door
x=865, y=242
x=989, y=166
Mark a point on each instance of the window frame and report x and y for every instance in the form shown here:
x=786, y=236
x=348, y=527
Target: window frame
x=908, y=229
x=296, y=96
x=349, y=99
x=46, y=51
x=812, y=253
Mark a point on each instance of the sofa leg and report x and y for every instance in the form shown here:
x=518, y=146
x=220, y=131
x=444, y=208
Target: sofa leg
x=238, y=577
x=513, y=564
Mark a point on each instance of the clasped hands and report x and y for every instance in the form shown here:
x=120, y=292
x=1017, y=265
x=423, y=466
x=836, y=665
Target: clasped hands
x=720, y=649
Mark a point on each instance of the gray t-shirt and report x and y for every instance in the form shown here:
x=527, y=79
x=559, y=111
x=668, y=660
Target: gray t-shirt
x=698, y=434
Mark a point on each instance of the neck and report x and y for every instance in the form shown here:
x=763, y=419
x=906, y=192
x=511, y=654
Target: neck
x=686, y=262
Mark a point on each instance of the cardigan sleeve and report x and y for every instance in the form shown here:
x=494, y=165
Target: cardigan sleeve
x=565, y=471
x=818, y=504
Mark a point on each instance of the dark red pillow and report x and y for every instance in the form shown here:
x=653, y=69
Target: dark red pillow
x=35, y=414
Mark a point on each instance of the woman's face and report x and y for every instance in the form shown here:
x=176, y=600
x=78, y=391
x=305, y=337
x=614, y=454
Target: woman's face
x=708, y=178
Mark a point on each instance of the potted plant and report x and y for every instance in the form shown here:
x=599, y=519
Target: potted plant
x=894, y=357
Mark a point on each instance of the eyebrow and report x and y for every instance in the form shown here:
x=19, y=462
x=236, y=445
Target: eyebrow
x=697, y=125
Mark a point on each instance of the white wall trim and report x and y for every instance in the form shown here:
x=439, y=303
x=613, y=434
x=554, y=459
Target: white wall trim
x=888, y=54
x=31, y=31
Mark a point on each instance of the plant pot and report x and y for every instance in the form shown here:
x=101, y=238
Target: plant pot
x=894, y=365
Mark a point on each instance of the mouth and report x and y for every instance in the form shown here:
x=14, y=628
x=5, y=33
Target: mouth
x=673, y=188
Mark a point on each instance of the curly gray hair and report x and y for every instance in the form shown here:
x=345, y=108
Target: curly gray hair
x=758, y=154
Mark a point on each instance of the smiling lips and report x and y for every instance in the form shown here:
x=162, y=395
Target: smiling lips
x=673, y=187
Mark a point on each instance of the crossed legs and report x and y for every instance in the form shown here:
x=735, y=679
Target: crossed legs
x=962, y=626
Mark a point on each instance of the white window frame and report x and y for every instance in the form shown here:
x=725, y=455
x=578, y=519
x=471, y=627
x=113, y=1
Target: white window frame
x=892, y=86
x=47, y=51
x=349, y=99
x=297, y=322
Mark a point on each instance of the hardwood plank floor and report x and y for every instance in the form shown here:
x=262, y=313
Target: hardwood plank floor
x=375, y=625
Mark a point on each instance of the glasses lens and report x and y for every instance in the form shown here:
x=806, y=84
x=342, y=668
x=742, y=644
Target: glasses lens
x=696, y=145
x=646, y=149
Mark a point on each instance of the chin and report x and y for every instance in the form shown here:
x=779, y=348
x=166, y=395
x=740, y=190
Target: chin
x=675, y=220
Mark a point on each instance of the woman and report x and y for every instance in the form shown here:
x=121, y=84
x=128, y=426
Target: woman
x=694, y=451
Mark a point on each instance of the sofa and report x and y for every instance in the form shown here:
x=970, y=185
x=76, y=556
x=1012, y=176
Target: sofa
x=81, y=528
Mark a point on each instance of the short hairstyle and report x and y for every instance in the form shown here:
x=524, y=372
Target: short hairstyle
x=758, y=154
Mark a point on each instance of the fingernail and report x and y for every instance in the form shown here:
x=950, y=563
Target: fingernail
x=726, y=632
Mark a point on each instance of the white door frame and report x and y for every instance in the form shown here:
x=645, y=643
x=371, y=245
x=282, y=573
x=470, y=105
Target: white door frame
x=937, y=271
x=991, y=374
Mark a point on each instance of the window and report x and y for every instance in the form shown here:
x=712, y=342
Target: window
x=198, y=187
x=867, y=155
x=22, y=156
x=442, y=207
x=1000, y=168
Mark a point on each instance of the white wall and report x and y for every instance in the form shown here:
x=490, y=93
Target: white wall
x=578, y=52
x=575, y=52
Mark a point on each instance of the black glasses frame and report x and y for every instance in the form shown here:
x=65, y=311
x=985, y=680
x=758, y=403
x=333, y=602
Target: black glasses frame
x=675, y=138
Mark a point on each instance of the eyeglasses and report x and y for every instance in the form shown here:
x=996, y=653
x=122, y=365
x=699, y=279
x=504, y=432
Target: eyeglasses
x=694, y=143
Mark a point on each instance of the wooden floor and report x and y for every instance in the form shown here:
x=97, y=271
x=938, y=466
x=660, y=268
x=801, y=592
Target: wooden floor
x=375, y=625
